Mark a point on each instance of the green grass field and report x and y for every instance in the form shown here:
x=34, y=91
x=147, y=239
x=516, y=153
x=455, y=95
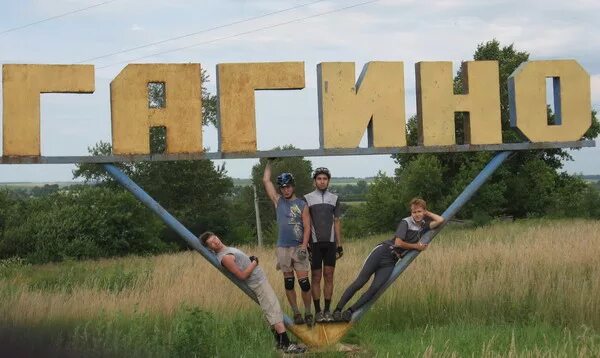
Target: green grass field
x=528, y=288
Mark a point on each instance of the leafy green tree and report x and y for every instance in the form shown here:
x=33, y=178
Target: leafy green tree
x=388, y=198
x=6, y=206
x=422, y=178
x=355, y=222
x=80, y=223
x=574, y=197
x=489, y=200
x=384, y=204
x=243, y=219
x=532, y=171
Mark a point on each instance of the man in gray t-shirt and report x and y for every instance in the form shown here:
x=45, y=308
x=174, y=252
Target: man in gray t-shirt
x=246, y=268
x=293, y=222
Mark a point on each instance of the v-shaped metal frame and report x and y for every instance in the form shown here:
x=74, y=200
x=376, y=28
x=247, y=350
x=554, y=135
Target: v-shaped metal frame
x=321, y=334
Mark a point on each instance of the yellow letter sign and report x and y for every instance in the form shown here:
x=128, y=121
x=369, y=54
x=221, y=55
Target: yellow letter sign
x=22, y=85
x=527, y=96
x=375, y=103
x=436, y=102
x=182, y=114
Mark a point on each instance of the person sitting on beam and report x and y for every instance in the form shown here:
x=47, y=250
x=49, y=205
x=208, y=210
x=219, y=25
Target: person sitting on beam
x=383, y=257
x=246, y=269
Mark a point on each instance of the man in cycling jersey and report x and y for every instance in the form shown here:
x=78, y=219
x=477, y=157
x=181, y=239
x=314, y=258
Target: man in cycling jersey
x=326, y=240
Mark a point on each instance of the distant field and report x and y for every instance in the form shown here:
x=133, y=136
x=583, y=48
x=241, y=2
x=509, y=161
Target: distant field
x=354, y=203
x=508, y=289
x=334, y=181
x=28, y=185
x=353, y=181
x=591, y=178
x=241, y=182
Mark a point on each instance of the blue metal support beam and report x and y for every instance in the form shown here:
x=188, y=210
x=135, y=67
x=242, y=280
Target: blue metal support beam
x=193, y=241
x=178, y=227
x=452, y=210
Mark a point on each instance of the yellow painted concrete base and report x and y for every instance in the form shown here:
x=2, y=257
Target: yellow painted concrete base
x=321, y=334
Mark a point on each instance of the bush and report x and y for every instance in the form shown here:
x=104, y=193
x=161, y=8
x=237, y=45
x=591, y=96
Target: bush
x=573, y=197
x=355, y=224
x=81, y=223
x=384, y=205
x=193, y=333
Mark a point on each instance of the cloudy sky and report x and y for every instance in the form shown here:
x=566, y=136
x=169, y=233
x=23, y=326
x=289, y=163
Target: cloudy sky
x=110, y=34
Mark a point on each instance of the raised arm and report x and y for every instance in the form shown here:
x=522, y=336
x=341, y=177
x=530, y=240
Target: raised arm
x=229, y=263
x=269, y=187
x=436, y=220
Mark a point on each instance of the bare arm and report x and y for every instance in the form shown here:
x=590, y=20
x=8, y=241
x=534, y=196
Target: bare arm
x=306, y=224
x=229, y=263
x=269, y=187
x=337, y=226
x=436, y=219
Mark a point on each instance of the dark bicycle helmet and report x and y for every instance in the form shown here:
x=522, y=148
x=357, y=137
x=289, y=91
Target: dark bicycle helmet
x=321, y=170
x=285, y=179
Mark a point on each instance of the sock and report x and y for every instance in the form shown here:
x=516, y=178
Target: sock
x=307, y=310
x=283, y=340
x=276, y=336
x=327, y=304
x=296, y=310
x=317, y=305
x=338, y=309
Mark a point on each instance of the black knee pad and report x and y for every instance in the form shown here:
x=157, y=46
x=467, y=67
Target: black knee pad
x=304, y=284
x=288, y=283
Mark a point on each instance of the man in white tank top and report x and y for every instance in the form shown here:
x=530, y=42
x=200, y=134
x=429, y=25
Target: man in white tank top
x=246, y=268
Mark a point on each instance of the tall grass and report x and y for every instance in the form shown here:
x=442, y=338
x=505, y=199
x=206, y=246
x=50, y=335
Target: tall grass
x=501, y=289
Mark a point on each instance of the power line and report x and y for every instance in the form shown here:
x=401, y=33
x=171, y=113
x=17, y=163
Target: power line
x=200, y=32
x=54, y=17
x=242, y=33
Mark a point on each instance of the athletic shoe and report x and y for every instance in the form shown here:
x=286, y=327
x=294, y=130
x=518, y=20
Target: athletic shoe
x=309, y=320
x=346, y=316
x=298, y=319
x=328, y=316
x=320, y=317
x=337, y=316
x=293, y=348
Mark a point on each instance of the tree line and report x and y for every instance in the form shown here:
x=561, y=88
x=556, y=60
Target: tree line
x=101, y=219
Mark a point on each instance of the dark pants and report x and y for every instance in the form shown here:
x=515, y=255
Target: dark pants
x=380, y=262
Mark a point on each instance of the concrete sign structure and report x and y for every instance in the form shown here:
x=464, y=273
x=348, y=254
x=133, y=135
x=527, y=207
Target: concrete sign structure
x=437, y=103
x=375, y=103
x=527, y=96
x=236, y=84
x=181, y=114
x=348, y=107
x=21, y=89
